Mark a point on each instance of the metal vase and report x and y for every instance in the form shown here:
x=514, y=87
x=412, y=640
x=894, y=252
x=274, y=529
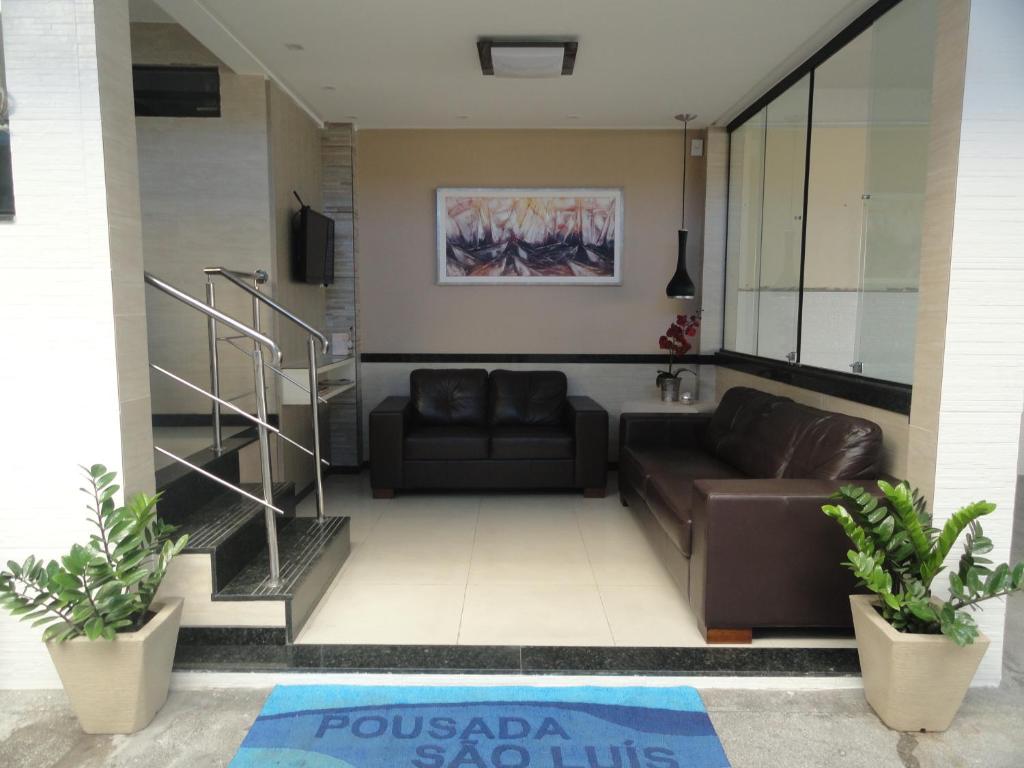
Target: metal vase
x=670, y=389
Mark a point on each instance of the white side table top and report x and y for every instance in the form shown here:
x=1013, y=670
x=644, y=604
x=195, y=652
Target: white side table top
x=657, y=405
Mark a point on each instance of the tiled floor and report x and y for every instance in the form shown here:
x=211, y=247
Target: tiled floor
x=501, y=569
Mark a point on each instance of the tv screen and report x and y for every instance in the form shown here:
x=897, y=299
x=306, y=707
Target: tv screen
x=313, y=247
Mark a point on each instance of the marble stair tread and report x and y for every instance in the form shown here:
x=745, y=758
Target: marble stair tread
x=311, y=554
x=218, y=520
x=301, y=547
x=231, y=529
x=183, y=490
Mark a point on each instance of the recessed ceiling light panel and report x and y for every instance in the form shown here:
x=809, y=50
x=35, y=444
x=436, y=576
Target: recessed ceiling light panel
x=527, y=58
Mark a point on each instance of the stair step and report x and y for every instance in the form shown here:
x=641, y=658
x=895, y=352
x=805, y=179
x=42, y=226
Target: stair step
x=311, y=555
x=183, y=490
x=231, y=528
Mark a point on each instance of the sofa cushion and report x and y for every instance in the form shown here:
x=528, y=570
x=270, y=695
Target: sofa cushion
x=797, y=441
x=837, y=446
x=637, y=465
x=738, y=408
x=529, y=442
x=527, y=397
x=449, y=396
x=764, y=446
x=670, y=500
x=446, y=442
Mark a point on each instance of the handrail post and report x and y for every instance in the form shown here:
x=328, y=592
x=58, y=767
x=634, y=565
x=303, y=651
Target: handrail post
x=265, y=471
x=256, y=321
x=314, y=399
x=211, y=328
x=268, y=480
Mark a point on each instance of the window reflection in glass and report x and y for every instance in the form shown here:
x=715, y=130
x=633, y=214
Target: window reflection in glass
x=743, y=258
x=865, y=199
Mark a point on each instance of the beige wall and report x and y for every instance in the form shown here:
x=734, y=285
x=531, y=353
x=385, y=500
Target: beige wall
x=205, y=194
x=895, y=426
x=294, y=146
x=402, y=309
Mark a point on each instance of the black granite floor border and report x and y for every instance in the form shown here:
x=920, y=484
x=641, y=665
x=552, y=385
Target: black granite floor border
x=213, y=656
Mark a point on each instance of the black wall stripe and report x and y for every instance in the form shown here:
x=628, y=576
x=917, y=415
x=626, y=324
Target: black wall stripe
x=887, y=395
x=443, y=357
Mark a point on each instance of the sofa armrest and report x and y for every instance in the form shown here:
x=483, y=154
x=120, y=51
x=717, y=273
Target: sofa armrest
x=763, y=554
x=589, y=424
x=388, y=422
x=662, y=430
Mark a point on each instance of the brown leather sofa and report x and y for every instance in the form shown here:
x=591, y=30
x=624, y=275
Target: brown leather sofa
x=465, y=428
x=733, y=503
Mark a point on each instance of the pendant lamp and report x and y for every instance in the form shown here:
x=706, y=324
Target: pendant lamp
x=681, y=286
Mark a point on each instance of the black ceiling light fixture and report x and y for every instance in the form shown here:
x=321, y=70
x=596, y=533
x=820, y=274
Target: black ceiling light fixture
x=525, y=57
x=681, y=286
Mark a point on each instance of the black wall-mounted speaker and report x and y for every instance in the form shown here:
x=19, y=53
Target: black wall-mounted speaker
x=176, y=91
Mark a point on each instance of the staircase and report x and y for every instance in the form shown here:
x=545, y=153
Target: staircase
x=251, y=567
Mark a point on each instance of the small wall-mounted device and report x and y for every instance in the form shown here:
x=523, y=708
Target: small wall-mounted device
x=697, y=148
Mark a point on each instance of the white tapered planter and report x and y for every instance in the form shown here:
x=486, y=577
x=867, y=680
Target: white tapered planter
x=118, y=686
x=914, y=682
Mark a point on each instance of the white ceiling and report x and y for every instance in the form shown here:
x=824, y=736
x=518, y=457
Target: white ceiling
x=413, y=63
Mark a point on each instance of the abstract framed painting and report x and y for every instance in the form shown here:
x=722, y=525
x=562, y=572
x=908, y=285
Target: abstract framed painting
x=529, y=236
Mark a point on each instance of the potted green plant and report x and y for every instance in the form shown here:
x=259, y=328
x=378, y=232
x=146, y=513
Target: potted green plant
x=676, y=341
x=112, y=645
x=918, y=652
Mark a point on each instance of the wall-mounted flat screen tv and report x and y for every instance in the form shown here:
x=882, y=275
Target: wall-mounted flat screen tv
x=312, y=247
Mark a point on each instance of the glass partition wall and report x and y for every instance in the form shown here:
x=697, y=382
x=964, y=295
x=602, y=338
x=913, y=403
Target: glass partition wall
x=826, y=191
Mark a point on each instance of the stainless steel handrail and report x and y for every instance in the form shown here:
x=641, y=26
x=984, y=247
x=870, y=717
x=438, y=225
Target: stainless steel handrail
x=238, y=280
x=279, y=371
x=231, y=406
x=217, y=479
x=219, y=316
x=260, y=341
x=258, y=276
x=232, y=276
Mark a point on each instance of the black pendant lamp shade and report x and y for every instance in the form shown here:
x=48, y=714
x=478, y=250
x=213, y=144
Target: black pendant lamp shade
x=681, y=286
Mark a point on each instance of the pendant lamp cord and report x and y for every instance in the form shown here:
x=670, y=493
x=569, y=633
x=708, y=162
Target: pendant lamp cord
x=685, y=153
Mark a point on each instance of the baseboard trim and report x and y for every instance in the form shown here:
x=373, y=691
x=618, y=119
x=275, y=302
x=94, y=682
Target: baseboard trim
x=527, y=357
x=218, y=655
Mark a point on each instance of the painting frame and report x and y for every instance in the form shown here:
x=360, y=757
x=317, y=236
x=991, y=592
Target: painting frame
x=613, y=194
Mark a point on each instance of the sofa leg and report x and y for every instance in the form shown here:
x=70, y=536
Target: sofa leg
x=595, y=493
x=383, y=493
x=715, y=636
x=622, y=500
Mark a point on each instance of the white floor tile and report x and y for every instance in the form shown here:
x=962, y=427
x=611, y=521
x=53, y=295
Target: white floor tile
x=539, y=562
x=529, y=543
x=533, y=614
x=618, y=549
x=650, y=616
x=387, y=614
x=410, y=561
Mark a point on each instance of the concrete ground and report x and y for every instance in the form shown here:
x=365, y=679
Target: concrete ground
x=760, y=729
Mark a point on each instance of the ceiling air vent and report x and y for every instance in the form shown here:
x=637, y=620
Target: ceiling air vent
x=176, y=91
x=526, y=58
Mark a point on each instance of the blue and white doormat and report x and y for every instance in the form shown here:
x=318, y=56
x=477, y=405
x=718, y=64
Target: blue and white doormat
x=482, y=727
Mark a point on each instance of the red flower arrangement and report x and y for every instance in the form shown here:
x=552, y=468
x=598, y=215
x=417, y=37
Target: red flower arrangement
x=677, y=342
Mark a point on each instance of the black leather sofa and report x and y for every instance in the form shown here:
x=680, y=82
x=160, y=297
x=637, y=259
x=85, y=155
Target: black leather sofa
x=465, y=428
x=732, y=502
